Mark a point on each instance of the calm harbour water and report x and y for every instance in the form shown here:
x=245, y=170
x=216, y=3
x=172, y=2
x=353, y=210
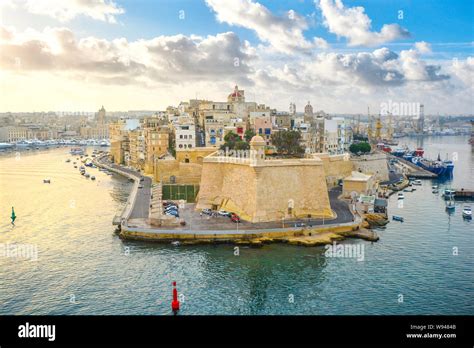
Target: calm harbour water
x=80, y=257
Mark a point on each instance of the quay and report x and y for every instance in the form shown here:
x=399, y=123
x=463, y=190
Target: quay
x=133, y=222
x=463, y=194
x=412, y=170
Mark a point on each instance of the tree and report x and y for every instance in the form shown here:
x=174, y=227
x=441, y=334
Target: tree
x=287, y=142
x=360, y=147
x=232, y=141
x=172, y=144
x=249, y=134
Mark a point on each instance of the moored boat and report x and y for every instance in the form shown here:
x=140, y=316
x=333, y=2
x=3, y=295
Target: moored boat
x=467, y=212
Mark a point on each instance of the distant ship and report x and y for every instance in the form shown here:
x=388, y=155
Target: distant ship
x=438, y=167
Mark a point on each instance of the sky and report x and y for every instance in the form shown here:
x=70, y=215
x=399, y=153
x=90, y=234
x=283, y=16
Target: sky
x=341, y=55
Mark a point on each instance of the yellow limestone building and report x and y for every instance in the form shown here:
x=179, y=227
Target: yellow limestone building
x=261, y=190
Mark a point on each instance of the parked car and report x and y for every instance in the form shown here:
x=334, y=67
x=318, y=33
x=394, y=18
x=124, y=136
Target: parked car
x=207, y=211
x=234, y=218
x=171, y=207
x=224, y=213
x=172, y=213
x=140, y=186
x=142, y=178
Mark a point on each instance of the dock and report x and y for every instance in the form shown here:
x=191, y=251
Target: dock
x=414, y=171
x=463, y=194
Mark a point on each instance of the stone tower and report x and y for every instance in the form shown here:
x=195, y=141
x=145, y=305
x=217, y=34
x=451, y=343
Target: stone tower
x=257, y=149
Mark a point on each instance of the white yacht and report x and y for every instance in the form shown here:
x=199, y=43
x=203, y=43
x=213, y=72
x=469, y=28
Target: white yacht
x=467, y=212
x=6, y=146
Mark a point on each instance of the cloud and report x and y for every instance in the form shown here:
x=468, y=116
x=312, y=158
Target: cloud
x=381, y=68
x=284, y=33
x=163, y=59
x=353, y=24
x=423, y=47
x=66, y=10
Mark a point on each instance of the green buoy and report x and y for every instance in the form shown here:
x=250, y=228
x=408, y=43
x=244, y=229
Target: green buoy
x=13, y=216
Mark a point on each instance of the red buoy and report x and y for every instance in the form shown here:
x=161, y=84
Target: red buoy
x=175, y=303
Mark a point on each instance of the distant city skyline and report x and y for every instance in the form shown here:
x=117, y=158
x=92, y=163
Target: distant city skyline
x=341, y=55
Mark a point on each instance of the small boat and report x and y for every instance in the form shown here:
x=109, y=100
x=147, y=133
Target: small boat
x=450, y=205
x=401, y=196
x=434, y=187
x=397, y=218
x=417, y=182
x=435, y=191
x=92, y=177
x=176, y=243
x=448, y=194
x=47, y=181
x=467, y=212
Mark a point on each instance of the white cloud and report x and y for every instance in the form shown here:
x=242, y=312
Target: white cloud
x=353, y=24
x=163, y=59
x=423, y=47
x=66, y=10
x=285, y=33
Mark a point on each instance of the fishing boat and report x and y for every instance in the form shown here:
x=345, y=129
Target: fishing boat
x=440, y=168
x=467, y=212
x=397, y=218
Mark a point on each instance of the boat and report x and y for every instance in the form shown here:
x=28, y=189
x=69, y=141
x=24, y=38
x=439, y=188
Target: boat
x=434, y=187
x=467, y=212
x=23, y=143
x=448, y=194
x=401, y=196
x=6, y=146
x=417, y=182
x=450, y=205
x=397, y=218
x=77, y=151
x=47, y=181
x=440, y=168
x=435, y=191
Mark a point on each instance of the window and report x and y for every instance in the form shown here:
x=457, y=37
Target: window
x=190, y=136
x=180, y=146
